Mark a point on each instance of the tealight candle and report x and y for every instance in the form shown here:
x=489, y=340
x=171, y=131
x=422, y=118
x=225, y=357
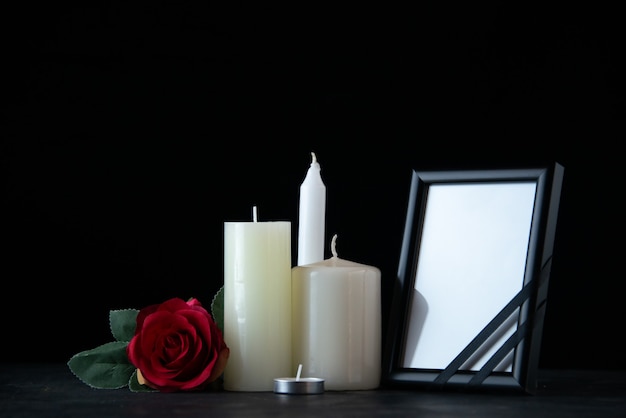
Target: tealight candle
x=337, y=322
x=299, y=385
x=257, y=303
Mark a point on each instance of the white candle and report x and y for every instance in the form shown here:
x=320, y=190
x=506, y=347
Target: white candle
x=312, y=216
x=257, y=303
x=337, y=322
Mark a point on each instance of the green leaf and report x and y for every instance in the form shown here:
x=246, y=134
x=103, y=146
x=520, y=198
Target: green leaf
x=217, y=308
x=123, y=323
x=103, y=367
x=135, y=386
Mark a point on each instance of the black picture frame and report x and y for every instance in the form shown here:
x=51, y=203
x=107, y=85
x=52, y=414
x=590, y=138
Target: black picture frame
x=503, y=349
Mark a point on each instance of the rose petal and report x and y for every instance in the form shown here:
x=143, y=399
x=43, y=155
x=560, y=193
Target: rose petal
x=220, y=365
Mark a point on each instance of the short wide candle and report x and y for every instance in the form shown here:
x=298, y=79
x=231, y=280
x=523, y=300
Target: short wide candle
x=337, y=322
x=257, y=304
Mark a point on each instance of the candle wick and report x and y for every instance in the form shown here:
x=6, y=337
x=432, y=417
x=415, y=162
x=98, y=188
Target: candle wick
x=333, y=244
x=299, y=371
x=313, y=158
x=254, y=217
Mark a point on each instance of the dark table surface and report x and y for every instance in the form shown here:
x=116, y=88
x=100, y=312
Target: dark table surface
x=51, y=390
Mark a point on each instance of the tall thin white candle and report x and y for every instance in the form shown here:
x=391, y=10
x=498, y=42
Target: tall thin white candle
x=257, y=303
x=312, y=216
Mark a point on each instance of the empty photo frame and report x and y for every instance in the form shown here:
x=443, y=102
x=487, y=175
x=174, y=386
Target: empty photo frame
x=469, y=301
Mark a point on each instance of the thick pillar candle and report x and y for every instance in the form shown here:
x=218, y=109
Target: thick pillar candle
x=312, y=216
x=257, y=304
x=337, y=322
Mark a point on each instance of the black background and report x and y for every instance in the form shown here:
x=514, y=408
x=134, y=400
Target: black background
x=135, y=132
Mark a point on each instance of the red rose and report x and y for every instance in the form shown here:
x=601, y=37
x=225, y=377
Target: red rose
x=177, y=346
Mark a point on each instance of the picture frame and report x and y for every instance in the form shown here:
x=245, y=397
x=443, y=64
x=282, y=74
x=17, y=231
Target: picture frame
x=469, y=299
